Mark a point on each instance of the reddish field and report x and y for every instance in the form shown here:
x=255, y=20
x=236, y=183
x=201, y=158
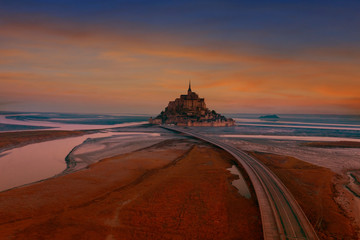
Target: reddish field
x=161, y=192
x=313, y=188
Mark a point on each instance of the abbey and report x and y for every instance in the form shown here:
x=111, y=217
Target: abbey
x=190, y=110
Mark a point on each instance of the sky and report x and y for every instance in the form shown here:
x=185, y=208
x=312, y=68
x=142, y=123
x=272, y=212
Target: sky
x=135, y=56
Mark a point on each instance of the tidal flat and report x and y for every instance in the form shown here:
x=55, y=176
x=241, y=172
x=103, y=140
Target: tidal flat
x=324, y=181
x=146, y=182
x=173, y=189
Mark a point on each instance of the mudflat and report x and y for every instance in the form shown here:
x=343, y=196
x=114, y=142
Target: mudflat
x=172, y=190
x=319, y=192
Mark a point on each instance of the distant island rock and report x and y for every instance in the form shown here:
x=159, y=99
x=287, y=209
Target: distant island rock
x=270, y=117
x=190, y=110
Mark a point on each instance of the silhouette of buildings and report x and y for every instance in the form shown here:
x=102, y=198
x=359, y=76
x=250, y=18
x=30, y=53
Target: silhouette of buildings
x=190, y=110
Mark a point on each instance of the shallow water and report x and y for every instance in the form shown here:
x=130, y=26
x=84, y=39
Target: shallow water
x=42, y=160
x=240, y=183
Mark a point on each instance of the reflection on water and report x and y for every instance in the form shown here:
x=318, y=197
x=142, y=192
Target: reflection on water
x=240, y=183
x=39, y=161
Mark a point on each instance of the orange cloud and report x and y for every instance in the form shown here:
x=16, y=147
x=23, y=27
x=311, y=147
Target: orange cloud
x=51, y=60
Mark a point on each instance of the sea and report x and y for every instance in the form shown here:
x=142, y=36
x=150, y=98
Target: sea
x=302, y=127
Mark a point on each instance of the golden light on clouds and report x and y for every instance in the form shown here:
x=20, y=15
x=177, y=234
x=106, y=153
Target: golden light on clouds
x=139, y=72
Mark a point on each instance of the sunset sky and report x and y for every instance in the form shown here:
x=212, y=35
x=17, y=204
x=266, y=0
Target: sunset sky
x=135, y=56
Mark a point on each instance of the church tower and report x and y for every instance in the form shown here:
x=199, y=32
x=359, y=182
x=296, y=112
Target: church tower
x=189, y=90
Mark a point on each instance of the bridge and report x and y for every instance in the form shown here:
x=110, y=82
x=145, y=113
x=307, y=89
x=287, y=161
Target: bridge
x=281, y=215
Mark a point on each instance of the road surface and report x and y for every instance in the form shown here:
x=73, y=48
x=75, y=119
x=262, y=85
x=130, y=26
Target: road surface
x=281, y=216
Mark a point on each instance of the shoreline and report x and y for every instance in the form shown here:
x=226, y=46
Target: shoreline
x=71, y=163
x=20, y=138
x=72, y=168
x=340, y=194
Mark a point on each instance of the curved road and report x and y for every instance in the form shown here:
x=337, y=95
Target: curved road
x=281, y=216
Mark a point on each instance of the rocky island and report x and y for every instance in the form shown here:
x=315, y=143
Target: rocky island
x=271, y=117
x=190, y=110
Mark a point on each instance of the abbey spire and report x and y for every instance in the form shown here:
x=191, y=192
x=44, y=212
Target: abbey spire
x=189, y=90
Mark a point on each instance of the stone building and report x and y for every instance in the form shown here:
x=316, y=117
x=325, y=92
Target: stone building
x=190, y=110
x=190, y=103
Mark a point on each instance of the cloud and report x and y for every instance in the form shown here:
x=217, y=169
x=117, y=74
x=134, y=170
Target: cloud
x=55, y=60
